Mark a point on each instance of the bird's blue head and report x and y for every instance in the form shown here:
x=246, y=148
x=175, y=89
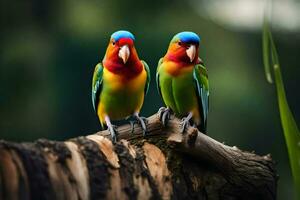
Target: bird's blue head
x=122, y=34
x=184, y=47
x=187, y=37
x=121, y=50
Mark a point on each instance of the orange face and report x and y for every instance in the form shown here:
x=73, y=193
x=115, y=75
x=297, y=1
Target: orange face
x=125, y=45
x=183, y=52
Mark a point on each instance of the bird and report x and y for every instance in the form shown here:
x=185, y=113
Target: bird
x=182, y=82
x=120, y=83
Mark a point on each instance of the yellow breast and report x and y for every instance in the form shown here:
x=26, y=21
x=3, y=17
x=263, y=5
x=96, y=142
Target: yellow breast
x=119, y=82
x=173, y=68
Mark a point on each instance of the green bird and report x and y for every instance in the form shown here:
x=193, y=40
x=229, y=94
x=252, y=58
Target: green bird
x=182, y=82
x=120, y=83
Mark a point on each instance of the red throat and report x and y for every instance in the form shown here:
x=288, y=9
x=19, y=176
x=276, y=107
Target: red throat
x=114, y=64
x=179, y=56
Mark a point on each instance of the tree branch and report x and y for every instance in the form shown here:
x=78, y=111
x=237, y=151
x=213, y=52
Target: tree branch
x=164, y=165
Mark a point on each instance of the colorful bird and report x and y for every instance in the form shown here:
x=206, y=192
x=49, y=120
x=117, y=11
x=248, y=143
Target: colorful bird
x=183, y=83
x=120, y=83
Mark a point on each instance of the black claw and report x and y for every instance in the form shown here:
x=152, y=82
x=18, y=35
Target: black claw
x=142, y=121
x=132, y=126
x=164, y=115
x=113, y=132
x=184, y=124
x=143, y=124
x=161, y=112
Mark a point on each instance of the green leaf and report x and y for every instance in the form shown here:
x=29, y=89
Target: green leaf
x=289, y=125
x=265, y=46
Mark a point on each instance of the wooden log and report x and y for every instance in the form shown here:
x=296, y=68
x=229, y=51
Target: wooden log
x=163, y=165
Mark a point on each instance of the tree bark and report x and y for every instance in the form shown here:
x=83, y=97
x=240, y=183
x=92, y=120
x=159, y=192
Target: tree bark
x=164, y=165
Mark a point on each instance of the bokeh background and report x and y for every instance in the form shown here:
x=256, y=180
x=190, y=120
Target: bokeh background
x=48, y=50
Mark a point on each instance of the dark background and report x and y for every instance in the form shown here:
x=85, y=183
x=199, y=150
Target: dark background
x=48, y=50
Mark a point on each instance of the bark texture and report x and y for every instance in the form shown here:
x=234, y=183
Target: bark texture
x=163, y=165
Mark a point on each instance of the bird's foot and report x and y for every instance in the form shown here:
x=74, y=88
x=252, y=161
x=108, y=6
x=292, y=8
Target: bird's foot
x=113, y=132
x=140, y=120
x=164, y=115
x=132, y=126
x=185, y=123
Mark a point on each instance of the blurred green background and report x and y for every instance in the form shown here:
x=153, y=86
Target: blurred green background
x=48, y=50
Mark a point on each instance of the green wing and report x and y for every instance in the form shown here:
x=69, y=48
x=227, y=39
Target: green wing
x=202, y=89
x=97, y=85
x=157, y=76
x=148, y=76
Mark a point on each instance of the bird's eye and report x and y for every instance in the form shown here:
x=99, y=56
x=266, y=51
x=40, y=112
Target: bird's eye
x=113, y=43
x=179, y=43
